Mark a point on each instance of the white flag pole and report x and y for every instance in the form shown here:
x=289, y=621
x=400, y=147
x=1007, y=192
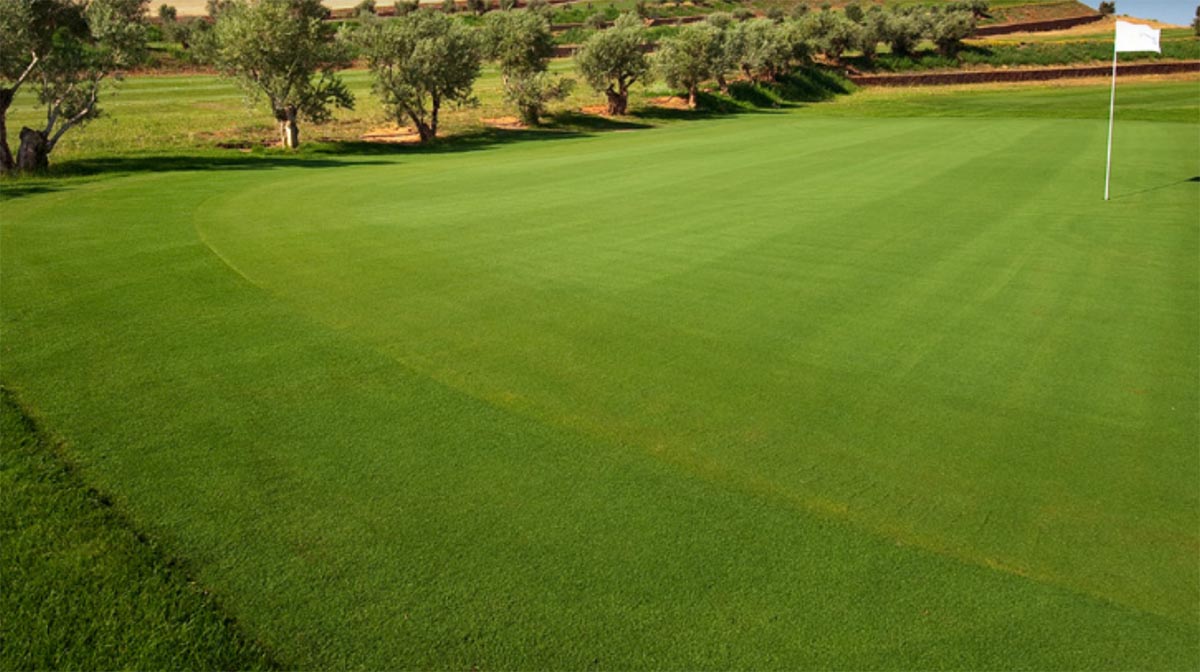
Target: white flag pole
x=1112, y=102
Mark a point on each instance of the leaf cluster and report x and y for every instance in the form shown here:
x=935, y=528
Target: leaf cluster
x=286, y=51
x=615, y=58
x=420, y=62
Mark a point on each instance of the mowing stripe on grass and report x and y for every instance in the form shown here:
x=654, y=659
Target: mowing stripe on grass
x=775, y=391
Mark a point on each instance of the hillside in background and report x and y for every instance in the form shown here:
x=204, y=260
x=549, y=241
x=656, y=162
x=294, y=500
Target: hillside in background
x=1003, y=10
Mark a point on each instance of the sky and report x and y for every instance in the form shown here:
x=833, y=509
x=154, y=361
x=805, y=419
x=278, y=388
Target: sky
x=1168, y=11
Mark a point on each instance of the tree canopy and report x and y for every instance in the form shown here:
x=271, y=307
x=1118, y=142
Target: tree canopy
x=285, y=51
x=521, y=43
x=688, y=58
x=65, y=49
x=420, y=62
x=612, y=60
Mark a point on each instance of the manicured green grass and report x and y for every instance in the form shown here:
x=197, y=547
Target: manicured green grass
x=875, y=383
x=81, y=589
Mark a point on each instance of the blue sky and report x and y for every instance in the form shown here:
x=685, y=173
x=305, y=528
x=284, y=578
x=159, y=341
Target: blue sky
x=1168, y=11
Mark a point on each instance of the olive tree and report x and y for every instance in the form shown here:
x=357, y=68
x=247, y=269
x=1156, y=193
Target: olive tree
x=522, y=44
x=66, y=50
x=285, y=51
x=727, y=52
x=613, y=60
x=26, y=31
x=834, y=33
x=768, y=49
x=902, y=31
x=686, y=59
x=948, y=30
x=421, y=62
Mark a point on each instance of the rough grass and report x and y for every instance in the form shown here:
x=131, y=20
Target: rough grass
x=880, y=382
x=81, y=588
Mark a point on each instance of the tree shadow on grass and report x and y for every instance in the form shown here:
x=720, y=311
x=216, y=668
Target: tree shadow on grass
x=12, y=189
x=466, y=142
x=117, y=165
x=72, y=172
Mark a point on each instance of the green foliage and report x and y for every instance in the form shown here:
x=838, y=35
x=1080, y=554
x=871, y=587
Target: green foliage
x=507, y=5
x=743, y=14
x=874, y=31
x=522, y=45
x=538, y=7
x=854, y=12
x=449, y=6
x=596, y=22
x=404, y=7
x=768, y=49
x=66, y=51
x=948, y=29
x=421, y=62
x=365, y=8
x=688, y=58
x=612, y=60
x=477, y=7
x=284, y=51
x=832, y=33
x=902, y=31
x=1107, y=8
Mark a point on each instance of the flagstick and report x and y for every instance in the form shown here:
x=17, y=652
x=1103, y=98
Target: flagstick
x=1112, y=102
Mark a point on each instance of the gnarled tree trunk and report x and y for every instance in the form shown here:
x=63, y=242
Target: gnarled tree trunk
x=723, y=83
x=34, y=153
x=289, y=131
x=617, y=101
x=692, y=97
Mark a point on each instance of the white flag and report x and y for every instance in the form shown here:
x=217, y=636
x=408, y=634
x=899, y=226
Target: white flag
x=1137, y=37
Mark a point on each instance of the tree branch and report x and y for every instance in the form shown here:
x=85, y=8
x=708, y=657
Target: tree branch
x=28, y=70
x=87, y=109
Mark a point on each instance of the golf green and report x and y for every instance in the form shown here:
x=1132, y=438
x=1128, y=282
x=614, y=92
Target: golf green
x=816, y=388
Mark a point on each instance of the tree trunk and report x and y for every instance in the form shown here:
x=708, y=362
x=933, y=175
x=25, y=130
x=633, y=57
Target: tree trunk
x=530, y=115
x=7, y=164
x=289, y=132
x=425, y=131
x=692, y=97
x=617, y=102
x=723, y=83
x=34, y=153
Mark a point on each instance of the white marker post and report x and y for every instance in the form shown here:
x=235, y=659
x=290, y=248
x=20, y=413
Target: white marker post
x=1129, y=37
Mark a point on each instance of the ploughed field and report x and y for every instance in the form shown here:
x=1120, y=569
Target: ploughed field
x=881, y=382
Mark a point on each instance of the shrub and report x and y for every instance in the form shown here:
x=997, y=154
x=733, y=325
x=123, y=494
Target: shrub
x=595, y=22
x=1107, y=8
x=854, y=12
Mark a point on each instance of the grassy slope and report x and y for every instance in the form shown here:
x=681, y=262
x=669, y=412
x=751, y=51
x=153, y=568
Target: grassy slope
x=780, y=390
x=80, y=589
